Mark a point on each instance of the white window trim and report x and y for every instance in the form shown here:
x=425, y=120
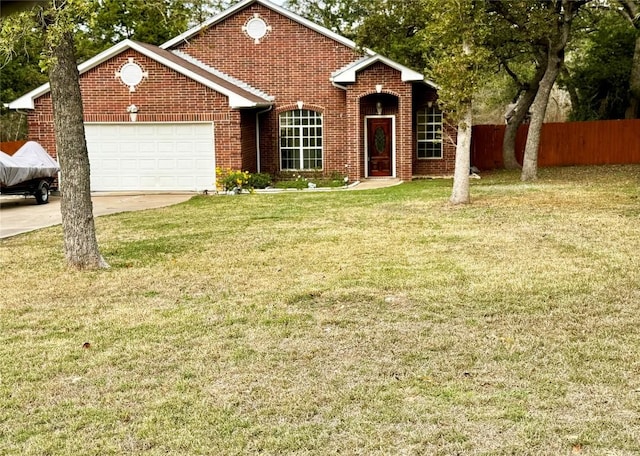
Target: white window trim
x=418, y=141
x=301, y=147
x=393, y=143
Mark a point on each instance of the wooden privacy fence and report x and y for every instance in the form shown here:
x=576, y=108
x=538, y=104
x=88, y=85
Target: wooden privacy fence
x=603, y=142
x=11, y=147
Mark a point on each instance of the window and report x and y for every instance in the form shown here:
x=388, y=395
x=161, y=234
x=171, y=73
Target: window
x=300, y=140
x=429, y=122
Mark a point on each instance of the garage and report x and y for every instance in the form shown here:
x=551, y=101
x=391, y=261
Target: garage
x=151, y=156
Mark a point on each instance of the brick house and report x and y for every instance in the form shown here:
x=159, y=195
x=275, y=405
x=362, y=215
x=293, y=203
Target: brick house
x=256, y=88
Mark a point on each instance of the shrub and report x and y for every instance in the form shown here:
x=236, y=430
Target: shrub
x=232, y=180
x=305, y=179
x=260, y=180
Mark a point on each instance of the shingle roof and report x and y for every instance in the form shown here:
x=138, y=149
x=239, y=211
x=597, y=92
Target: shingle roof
x=243, y=4
x=240, y=95
x=219, y=74
x=348, y=73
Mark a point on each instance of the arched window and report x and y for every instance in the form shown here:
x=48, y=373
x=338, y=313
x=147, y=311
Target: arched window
x=300, y=140
x=429, y=122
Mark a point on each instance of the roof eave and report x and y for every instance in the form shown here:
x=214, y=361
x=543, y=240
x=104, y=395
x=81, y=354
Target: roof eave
x=27, y=100
x=242, y=103
x=235, y=100
x=184, y=37
x=406, y=74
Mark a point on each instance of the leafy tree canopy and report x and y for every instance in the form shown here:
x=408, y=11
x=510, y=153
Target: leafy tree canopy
x=599, y=69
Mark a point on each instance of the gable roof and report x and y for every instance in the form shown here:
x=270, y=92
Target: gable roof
x=215, y=72
x=345, y=75
x=267, y=4
x=240, y=95
x=348, y=73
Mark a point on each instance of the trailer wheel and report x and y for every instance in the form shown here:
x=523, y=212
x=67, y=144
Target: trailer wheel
x=42, y=193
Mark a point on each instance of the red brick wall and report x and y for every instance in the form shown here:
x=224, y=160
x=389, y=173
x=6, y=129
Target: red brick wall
x=433, y=167
x=396, y=97
x=248, y=141
x=292, y=63
x=166, y=96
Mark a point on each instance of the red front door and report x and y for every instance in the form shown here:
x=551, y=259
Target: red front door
x=379, y=143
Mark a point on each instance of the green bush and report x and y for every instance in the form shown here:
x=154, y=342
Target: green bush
x=230, y=180
x=260, y=180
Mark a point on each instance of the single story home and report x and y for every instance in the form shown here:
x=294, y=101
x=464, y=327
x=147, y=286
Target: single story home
x=255, y=88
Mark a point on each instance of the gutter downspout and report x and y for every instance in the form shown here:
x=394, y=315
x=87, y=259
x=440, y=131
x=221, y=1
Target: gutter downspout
x=258, y=135
x=335, y=84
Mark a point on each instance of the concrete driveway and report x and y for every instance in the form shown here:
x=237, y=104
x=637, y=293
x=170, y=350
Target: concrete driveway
x=19, y=214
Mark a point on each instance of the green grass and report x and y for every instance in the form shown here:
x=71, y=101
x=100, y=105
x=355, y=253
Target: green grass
x=377, y=322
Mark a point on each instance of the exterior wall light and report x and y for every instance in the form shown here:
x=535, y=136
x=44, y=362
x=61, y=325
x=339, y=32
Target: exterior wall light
x=133, y=112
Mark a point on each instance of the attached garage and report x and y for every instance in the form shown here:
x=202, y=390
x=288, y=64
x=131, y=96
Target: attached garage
x=151, y=156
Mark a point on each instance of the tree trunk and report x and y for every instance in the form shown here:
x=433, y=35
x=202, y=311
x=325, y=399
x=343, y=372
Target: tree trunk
x=460, y=193
x=520, y=112
x=633, y=111
x=513, y=123
x=539, y=109
x=80, y=243
x=574, y=98
x=631, y=11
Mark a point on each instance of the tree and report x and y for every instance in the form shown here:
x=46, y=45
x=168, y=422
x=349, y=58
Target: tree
x=631, y=11
x=80, y=243
x=522, y=54
x=459, y=65
x=152, y=21
x=555, y=19
x=520, y=111
x=598, y=77
x=58, y=22
x=340, y=16
x=19, y=73
x=392, y=29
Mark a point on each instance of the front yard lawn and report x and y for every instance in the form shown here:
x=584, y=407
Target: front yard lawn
x=380, y=322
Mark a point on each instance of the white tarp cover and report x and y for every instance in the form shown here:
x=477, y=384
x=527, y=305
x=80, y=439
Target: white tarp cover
x=31, y=161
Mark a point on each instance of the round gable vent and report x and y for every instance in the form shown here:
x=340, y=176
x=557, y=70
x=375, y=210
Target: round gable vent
x=256, y=28
x=131, y=74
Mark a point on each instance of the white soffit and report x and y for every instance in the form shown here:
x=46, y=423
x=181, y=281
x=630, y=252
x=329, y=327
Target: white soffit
x=267, y=4
x=348, y=74
x=235, y=100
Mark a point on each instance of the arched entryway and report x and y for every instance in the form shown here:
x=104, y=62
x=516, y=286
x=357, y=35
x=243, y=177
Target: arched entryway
x=379, y=112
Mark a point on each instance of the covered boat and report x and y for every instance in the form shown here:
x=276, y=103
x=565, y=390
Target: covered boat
x=31, y=170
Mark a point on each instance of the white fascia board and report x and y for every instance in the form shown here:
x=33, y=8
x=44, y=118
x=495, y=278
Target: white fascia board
x=407, y=74
x=26, y=100
x=235, y=101
x=194, y=30
x=267, y=4
x=309, y=24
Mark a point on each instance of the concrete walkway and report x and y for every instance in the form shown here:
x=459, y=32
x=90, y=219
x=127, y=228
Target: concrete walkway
x=373, y=183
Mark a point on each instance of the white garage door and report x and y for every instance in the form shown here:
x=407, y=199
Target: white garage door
x=151, y=156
